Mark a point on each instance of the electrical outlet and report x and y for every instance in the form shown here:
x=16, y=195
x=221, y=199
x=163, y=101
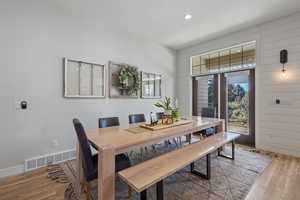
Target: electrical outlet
x=55, y=143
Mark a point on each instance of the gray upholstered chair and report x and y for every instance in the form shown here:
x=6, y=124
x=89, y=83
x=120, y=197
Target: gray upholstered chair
x=208, y=112
x=136, y=118
x=108, y=122
x=139, y=118
x=89, y=161
x=167, y=142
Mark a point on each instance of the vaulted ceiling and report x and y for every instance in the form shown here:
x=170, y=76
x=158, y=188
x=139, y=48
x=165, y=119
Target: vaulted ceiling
x=163, y=21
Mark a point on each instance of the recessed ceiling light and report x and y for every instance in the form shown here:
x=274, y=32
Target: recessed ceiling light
x=188, y=16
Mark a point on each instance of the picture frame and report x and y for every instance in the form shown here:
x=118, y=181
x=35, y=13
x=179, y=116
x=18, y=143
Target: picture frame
x=114, y=90
x=84, y=79
x=151, y=85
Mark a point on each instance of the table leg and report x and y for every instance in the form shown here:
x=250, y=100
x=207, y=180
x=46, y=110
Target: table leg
x=79, y=170
x=221, y=127
x=106, y=173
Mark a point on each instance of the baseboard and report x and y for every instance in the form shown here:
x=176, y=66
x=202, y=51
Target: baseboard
x=38, y=162
x=53, y=158
x=10, y=171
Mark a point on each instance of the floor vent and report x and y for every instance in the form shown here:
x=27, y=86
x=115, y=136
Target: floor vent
x=42, y=161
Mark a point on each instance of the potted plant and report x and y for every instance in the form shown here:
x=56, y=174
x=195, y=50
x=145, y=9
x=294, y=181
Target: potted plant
x=175, y=113
x=166, y=105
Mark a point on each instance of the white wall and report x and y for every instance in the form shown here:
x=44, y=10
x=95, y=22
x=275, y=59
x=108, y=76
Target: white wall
x=277, y=126
x=34, y=38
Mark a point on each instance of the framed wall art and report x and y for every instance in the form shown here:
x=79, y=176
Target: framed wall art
x=124, y=80
x=83, y=79
x=151, y=85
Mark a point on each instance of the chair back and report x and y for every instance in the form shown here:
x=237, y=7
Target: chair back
x=136, y=118
x=159, y=115
x=86, y=154
x=209, y=112
x=108, y=121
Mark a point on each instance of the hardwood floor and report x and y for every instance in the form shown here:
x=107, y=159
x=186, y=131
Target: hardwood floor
x=281, y=180
x=33, y=185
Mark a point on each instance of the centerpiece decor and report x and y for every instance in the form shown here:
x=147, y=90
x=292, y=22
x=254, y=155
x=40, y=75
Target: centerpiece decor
x=165, y=104
x=171, y=114
x=129, y=80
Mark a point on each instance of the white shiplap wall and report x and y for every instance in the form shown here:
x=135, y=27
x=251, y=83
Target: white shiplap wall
x=277, y=126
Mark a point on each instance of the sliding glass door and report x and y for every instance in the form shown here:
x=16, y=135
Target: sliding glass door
x=237, y=92
x=205, y=93
x=224, y=79
x=232, y=93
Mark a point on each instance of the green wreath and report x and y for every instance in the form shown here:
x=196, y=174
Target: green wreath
x=129, y=80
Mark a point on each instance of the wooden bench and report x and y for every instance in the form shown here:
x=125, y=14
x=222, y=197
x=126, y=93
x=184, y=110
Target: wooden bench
x=153, y=171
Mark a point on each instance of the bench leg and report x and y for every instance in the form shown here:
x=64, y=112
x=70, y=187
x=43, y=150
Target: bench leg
x=160, y=190
x=175, y=142
x=232, y=152
x=143, y=195
x=207, y=175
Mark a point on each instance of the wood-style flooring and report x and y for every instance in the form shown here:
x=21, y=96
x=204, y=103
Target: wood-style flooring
x=33, y=185
x=279, y=181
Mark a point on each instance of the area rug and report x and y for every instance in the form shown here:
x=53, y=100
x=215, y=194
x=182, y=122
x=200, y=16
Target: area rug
x=230, y=180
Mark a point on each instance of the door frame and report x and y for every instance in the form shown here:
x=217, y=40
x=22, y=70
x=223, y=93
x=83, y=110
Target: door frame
x=222, y=103
x=249, y=140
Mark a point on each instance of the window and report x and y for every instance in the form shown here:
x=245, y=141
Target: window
x=225, y=60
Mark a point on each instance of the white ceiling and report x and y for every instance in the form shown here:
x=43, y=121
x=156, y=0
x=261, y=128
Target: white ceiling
x=163, y=20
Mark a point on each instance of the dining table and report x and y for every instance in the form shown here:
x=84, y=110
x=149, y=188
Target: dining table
x=114, y=140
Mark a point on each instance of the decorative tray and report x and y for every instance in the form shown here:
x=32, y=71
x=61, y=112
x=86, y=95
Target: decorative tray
x=164, y=126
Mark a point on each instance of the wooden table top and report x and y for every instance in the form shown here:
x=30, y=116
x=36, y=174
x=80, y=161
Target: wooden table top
x=123, y=141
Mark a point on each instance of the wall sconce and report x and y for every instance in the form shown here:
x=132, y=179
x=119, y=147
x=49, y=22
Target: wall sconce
x=283, y=61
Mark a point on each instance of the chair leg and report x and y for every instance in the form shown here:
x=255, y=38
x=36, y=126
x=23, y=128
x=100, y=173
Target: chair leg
x=143, y=195
x=146, y=150
x=154, y=148
x=176, y=143
x=188, y=138
x=131, y=153
x=84, y=186
x=88, y=191
x=167, y=142
x=129, y=191
x=142, y=153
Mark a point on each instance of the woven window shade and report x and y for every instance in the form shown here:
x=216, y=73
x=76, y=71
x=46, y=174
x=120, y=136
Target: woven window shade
x=230, y=59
